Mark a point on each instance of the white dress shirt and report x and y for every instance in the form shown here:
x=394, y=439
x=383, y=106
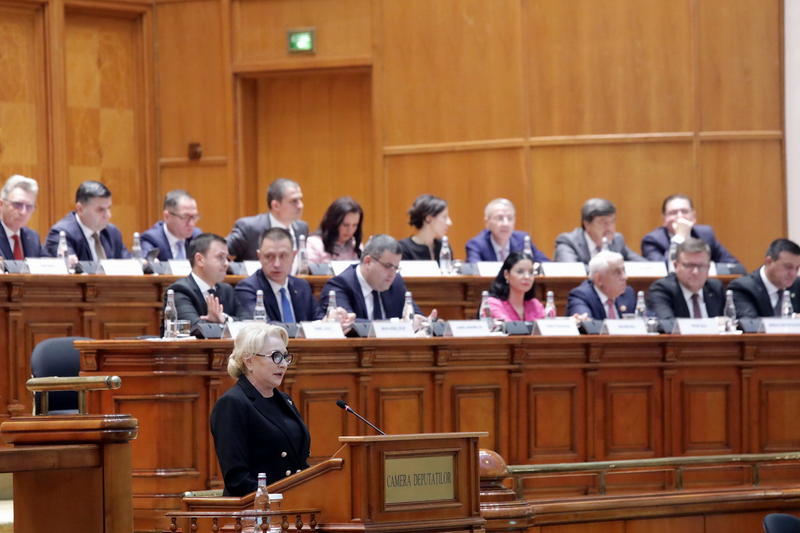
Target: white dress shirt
x=89, y=234
x=687, y=295
x=366, y=291
x=276, y=290
x=772, y=290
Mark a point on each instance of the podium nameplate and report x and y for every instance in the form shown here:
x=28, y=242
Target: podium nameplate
x=418, y=479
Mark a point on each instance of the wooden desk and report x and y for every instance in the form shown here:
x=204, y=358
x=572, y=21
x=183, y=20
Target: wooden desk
x=541, y=399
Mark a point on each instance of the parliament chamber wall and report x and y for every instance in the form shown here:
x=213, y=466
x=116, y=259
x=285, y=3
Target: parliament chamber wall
x=543, y=101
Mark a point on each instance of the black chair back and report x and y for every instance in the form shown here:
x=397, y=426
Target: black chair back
x=57, y=357
x=781, y=523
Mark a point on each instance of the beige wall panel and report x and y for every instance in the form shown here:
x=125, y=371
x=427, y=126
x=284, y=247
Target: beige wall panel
x=636, y=177
x=317, y=130
x=23, y=148
x=740, y=64
x=743, y=188
x=191, y=78
x=104, y=83
x=259, y=28
x=616, y=66
x=215, y=201
x=467, y=180
x=450, y=70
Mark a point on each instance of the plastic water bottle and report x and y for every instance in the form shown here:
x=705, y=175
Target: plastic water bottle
x=550, y=306
x=604, y=246
x=641, y=306
x=730, y=312
x=259, y=311
x=484, y=311
x=330, y=313
x=787, y=311
x=63, y=250
x=261, y=499
x=408, y=308
x=302, y=257
x=527, y=247
x=170, y=316
x=446, y=257
x=136, y=249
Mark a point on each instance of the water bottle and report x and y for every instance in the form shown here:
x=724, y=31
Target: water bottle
x=787, y=311
x=641, y=306
x=527, y=247
x=261, y=500
x=63, y=250
x=259, y=311
x=302, y=258
x=550, y=306
x=604, y=246
x=330, y=313
x=408, y=308
x=136, y=249
x=730, y=312
x=446, y=257
x=170, y=316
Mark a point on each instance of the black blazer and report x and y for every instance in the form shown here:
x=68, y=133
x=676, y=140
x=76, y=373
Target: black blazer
x=191, y=304
x=243, y=238
x=666, y=300
x=412, y=251
x=348, y=295
x=752, y=299
x=249, y=440
x=110, y=238
x=655, y=245
x=304, y=304
x=29, y=240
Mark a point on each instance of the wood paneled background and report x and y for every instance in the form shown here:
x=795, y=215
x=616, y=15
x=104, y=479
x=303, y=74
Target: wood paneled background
x=547, y=102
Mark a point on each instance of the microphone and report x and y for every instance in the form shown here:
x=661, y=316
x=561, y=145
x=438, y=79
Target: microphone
x=343, y=405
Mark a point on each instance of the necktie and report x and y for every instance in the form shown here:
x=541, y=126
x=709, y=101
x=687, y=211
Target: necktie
x=286, y=307
x=611, y=311
x=377, y=312
x=212, y=291
x=17, y=248
x=180, y=250
x=98, y=247
x=696, y=311
x=779, y=302
x=503, y=254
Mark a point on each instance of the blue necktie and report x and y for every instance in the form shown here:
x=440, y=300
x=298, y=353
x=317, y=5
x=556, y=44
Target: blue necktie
x=180, y=250
x=286, y=307
x=377, y=312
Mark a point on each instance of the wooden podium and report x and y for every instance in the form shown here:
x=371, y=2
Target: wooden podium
x=415, y=482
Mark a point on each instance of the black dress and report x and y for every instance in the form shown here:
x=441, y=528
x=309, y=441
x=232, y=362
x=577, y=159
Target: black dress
x=419, y=252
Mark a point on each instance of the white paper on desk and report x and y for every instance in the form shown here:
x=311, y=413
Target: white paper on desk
x=391, y=329
x=46, y=265
x=321, y=330
x=467, y=328
x=419, y=269
x=489, y=269
x=252, y=267
x=564, y=270
x=556, y=327
x=696, y=326
x=623, y=326
x=645, y=269
x=121, y=267
x=779, y=325
x=340, y=266
x=180, y=267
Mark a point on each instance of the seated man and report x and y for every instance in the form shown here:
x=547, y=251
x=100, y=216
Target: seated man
x=606, y=293
x=17, y=202
x=760, y=293
x=598, y=221
x=688, y=292
x=175, y=231
x=90, y=235
x=499, y=238
x=284, y=205
x=679, y=224
x=202, y=295
x=286, y=298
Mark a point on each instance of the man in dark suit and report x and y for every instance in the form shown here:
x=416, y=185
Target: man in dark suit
x=17, y=202
x=760, y=293
x=598, y=229
x=286, y=298
x=90, y=235
x=679, y=224
x=202, y=295
x=499, y=238
x=285, y=204
x=175, y=231
x=688, y=292
x=606, y=293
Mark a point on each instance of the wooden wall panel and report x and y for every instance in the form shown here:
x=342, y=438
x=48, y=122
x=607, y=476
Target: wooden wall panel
x=783, y=396
x=707, y=413
x=555, y=406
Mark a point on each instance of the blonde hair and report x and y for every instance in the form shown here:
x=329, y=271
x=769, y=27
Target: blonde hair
x=250, y=340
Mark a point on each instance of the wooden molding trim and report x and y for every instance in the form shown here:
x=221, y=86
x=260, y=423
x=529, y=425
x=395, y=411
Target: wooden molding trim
x=205, y=161
x=300, y=64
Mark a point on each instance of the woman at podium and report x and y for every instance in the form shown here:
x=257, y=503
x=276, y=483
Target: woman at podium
x=511, y=293
x=256, y=427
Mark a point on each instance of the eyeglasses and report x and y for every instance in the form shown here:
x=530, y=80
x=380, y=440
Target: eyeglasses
x=278, y=356
x=695, y=266
x=22, y=206
x=387, y=266
x=185, y=218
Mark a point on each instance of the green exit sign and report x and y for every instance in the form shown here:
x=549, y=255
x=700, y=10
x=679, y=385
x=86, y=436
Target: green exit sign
x=301, y=40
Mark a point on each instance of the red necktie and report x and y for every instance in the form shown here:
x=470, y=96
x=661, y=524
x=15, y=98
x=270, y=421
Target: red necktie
x=611, y=312
x=696, y=306
x=18, y=256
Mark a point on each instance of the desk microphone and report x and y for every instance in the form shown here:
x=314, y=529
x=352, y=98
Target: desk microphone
x=343, y=405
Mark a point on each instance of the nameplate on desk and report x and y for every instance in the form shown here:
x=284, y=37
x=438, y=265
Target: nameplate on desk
x=419, y=269
x=696, y=326
x=233, y=327
x=251, y=267
x=121, y=267
x=47, y=265
x=321, y=330
x=563, y=270
x=180, y=267
x=780, y=325
x=645, y=269
x=427, y=478
x=489, y=269
x=391, y=329
x=622, y=326
x=340, y=266
x=556, y=327
x=467, y=328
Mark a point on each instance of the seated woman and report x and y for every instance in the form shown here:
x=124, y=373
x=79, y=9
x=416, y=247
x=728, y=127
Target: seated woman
x=511, y=293
x=339, y=235
x=429, y=215
x=256, y=427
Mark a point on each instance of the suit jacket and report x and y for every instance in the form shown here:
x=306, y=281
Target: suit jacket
x=349, y=296
x=584, y=299
x=249, y=438
x=155, y=237
x=191, y=303
x=479, y=248
x=655, y=245
x=31, y=246
x=411, y=251
x=665, y=298
x=304, y=304
x=110, y=238
x=572, y=247
x=752, y=299
x=243, y=238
